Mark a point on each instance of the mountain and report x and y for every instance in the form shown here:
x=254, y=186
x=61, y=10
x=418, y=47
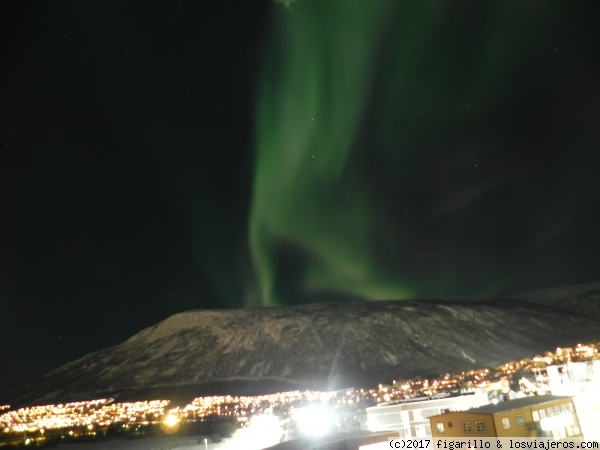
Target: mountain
x=580, y=298
x=322, y=346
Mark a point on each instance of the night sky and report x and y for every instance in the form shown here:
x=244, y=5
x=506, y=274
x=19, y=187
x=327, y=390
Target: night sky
x=160, y=156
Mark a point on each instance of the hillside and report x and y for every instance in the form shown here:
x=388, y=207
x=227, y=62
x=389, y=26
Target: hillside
x=323, y=346
x=580, y=298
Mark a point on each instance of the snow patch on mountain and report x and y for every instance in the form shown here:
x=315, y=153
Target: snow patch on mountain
x=324, y=346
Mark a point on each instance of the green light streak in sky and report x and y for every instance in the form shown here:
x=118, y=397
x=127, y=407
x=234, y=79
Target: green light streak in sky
x=305, y=194
x=389, y=85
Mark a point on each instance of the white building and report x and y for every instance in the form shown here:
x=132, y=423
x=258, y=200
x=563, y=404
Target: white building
x=580, y=380
x=411, y=418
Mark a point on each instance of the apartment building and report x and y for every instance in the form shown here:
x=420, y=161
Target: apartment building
x=533, y=416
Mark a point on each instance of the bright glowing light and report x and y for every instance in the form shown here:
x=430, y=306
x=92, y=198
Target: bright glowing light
x=376, y=446
x=171, y=420
x=261, y=432
x=264, y=422
x=264, y=430
x=315, y=420
x=562, y=420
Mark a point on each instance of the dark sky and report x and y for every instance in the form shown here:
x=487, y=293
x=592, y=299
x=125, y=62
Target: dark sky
x=160, y=156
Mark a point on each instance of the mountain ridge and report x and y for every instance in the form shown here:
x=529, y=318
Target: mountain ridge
x=318, y=345
x=580, y=298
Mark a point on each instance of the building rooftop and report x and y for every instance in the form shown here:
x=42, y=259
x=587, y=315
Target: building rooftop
x=517, y=403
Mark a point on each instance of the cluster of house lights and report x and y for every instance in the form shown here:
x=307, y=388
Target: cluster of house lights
x=96, y=414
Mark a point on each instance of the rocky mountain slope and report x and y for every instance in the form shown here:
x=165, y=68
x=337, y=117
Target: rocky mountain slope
x=324, y=346
x=580, y=298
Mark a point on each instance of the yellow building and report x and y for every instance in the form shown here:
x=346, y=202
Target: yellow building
x=534, y=416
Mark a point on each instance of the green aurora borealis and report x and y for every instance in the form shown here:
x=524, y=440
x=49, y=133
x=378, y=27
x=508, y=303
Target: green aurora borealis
x=307, y=195
x=397, y=143
x=167, y=156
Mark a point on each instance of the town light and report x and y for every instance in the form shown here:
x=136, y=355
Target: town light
x=171, y=420
x=315, y=420
x=262, y=431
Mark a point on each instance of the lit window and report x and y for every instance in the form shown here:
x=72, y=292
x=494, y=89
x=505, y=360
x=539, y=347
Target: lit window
x=439, y=427
x=542, y=413
x=536, y=416
x=466, y=427
x=480, y=426
x=506, y=423
x=549, y=411
x=520, y=420
x=556, y=410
